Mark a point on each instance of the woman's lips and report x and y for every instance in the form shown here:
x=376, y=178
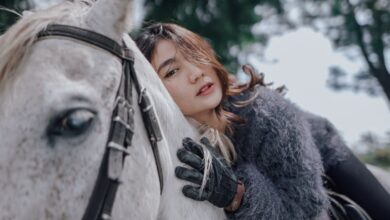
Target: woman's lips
x=206, y=89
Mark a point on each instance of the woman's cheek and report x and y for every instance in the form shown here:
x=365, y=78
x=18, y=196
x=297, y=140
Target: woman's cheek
x=179, y=97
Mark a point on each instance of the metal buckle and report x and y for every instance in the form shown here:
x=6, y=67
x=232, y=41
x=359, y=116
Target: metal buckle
x=106, y=216
x=118, y=147
x=127, y=54
x=125, y=114
x=116, y=155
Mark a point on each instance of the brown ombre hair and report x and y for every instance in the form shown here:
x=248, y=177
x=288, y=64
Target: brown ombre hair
x=199, y=52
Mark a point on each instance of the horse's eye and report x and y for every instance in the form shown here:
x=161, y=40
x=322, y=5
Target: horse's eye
x=72, y=123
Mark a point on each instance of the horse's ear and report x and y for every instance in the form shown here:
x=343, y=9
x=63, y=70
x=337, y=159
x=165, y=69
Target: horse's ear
x=111, y=17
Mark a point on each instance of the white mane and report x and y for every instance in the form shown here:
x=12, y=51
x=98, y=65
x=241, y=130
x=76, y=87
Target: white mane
x=16, y=42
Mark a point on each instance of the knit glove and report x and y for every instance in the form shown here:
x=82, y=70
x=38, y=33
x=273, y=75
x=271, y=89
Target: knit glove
x=221, y=185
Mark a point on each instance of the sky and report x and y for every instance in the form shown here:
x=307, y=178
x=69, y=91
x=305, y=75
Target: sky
x=300, y=60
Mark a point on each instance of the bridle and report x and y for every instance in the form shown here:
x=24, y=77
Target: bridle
x=122, y=124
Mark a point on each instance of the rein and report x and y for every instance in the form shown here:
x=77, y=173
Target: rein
x=122, y=124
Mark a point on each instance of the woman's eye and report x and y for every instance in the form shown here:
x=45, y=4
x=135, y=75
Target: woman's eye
x=171, y=73
x=72, y=123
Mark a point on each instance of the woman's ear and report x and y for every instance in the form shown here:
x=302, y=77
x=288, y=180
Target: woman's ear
x=112, y=18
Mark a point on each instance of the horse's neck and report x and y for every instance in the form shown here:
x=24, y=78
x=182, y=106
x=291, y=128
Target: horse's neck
x=174, y=127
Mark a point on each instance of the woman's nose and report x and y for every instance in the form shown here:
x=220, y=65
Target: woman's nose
x=195, y=75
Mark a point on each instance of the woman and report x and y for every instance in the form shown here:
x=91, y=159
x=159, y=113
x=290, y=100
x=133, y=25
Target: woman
x=279, y=153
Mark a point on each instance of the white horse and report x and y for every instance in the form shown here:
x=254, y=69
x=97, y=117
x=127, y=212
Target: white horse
x=56, y=101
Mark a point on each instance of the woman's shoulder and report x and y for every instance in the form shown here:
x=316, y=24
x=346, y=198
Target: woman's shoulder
x=262, y=100
x=257, y=90
x=328, y=140
x=276, y=132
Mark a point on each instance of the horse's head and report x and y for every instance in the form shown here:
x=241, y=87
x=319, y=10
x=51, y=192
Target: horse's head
x=57, y=96
x=56, y=100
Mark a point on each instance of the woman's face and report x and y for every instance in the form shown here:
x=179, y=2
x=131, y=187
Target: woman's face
x=196, y=89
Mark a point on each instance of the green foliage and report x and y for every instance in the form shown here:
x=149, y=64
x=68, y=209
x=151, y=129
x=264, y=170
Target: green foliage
x=378, y=157
x=362, y=26
x=378, y=152
x=224, y=23
x=7, y=18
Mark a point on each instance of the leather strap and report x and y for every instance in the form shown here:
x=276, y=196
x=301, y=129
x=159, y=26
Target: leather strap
x=122, y=125
x=84, y=35
x=150, y=121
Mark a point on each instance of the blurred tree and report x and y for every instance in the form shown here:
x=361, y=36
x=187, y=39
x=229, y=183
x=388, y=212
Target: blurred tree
x=226, y=24
x=9, y=12
x=362, y=29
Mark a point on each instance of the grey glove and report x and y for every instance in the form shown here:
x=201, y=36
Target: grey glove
x=221, y=185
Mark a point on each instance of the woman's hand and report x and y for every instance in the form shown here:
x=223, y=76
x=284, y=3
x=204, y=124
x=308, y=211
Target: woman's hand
x=221, y=185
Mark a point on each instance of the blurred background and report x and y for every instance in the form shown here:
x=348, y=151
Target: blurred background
x=333, y=56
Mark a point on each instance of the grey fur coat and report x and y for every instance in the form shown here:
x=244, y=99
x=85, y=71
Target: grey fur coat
x=282, y=152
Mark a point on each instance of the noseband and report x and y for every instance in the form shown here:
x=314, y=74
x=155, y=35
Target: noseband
x=122, y=124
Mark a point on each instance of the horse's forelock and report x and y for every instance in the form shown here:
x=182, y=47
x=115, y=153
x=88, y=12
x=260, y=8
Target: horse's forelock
x=16, y=41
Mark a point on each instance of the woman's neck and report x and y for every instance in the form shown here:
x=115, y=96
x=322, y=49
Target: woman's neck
x=211, y=119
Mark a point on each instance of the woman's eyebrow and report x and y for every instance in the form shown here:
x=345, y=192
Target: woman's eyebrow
x=166, y=63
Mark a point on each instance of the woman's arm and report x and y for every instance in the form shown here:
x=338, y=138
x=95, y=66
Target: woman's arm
x=282, y=171
x=350, y=176
x=264, y=200
x=354, y=180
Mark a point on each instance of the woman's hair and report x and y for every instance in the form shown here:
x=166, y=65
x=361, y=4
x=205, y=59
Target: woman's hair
x=198, y=51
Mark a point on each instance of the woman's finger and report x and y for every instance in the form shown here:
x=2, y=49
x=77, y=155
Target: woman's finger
x=190, y=159
x=190, y=175
x=194, y=192
x=192, y=146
